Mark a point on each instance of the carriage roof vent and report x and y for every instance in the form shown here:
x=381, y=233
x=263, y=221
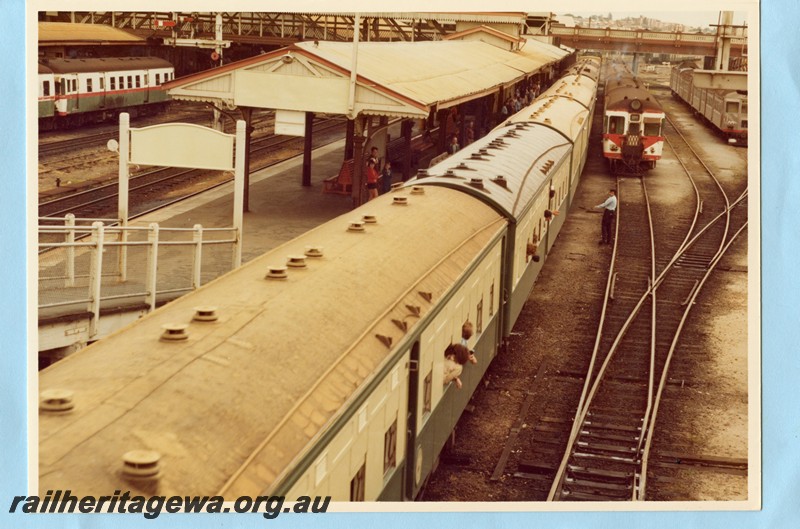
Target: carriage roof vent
x=476, y=183
x=357, y=225
x=418, y=190
x=174, y=332
x=56, y=400
x=484, y=152
x=296, y=261
x=369, y=218
x=205, y=313
x=501, y=181
x=450, y=174
x=422, y=173
x=313, y=251
x=141, y=463
x=277, y=272
x=400, y=201
x=475, y=156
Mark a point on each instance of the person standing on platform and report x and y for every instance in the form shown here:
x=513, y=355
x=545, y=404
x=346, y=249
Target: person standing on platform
x=372, y=179
x=374, y=157
x=386, y=178
x=454, y=147
x=609, y=212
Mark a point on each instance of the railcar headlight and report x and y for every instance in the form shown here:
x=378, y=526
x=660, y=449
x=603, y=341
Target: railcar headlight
x=652, y=150
x=614, y=148
x=731, y=124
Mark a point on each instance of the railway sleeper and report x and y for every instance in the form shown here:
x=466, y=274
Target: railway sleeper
x=537, y=467
x=618, y=460
x=603, y=448
x=556, y=437
x=628, y=423
x=623, y=489
x=596, y=474
x=582, y=496
x=546, y=428
x=606, y=436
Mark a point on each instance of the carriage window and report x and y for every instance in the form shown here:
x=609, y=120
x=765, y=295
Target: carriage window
x=390, y=448
x=113, y=83
x=732, y=106
x=88, y=85
x=426, y=399
x=744, y=108
x=102, y=84
x=616, y=125
x=491, y=300
x=479, y=320
x=130, y=81
x=744, y=123
x=158, y=79
x=138, y=81
x=357, y=487
x=46, y=88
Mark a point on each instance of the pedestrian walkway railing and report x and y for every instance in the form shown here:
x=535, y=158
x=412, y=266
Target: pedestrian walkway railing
x=83, y=267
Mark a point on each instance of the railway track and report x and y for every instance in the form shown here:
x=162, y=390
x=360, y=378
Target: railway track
x=609, y=444
x=58, y=147
x=146, y=190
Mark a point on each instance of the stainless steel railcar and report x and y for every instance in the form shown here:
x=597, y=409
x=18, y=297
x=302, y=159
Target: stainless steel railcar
x=724, y=110
x=91, y=90
x=321, y=369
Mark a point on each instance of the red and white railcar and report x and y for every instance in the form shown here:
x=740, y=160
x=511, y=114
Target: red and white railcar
x=632, y=127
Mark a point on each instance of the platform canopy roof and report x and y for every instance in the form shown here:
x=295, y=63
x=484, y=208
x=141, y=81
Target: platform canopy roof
x=61, y=33
x=399, y=79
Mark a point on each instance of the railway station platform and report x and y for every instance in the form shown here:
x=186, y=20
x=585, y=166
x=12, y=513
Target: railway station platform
x=280, y=209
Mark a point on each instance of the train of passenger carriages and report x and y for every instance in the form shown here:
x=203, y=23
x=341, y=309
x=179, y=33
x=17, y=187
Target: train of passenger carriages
x=317, y=368
x=633, y=123
x=725, y=111
x=73, y=92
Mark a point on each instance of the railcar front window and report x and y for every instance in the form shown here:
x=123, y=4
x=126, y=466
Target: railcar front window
x=652, y=128
x=732, y=107
x=616, y=125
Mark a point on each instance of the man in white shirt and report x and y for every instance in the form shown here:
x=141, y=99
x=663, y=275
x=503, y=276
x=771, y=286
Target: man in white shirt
x=609, y=212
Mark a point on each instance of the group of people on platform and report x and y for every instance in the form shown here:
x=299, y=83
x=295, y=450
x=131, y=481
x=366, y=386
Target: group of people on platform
x=373, y=176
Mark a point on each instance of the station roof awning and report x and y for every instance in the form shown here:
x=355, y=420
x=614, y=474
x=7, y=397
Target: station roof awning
x=61, y=33
x=402, y=79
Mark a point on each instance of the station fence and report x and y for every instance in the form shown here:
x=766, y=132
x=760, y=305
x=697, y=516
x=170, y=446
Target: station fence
x=86, y=264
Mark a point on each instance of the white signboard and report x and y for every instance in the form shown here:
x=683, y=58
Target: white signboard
x=290, y=122
x=182, y=145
